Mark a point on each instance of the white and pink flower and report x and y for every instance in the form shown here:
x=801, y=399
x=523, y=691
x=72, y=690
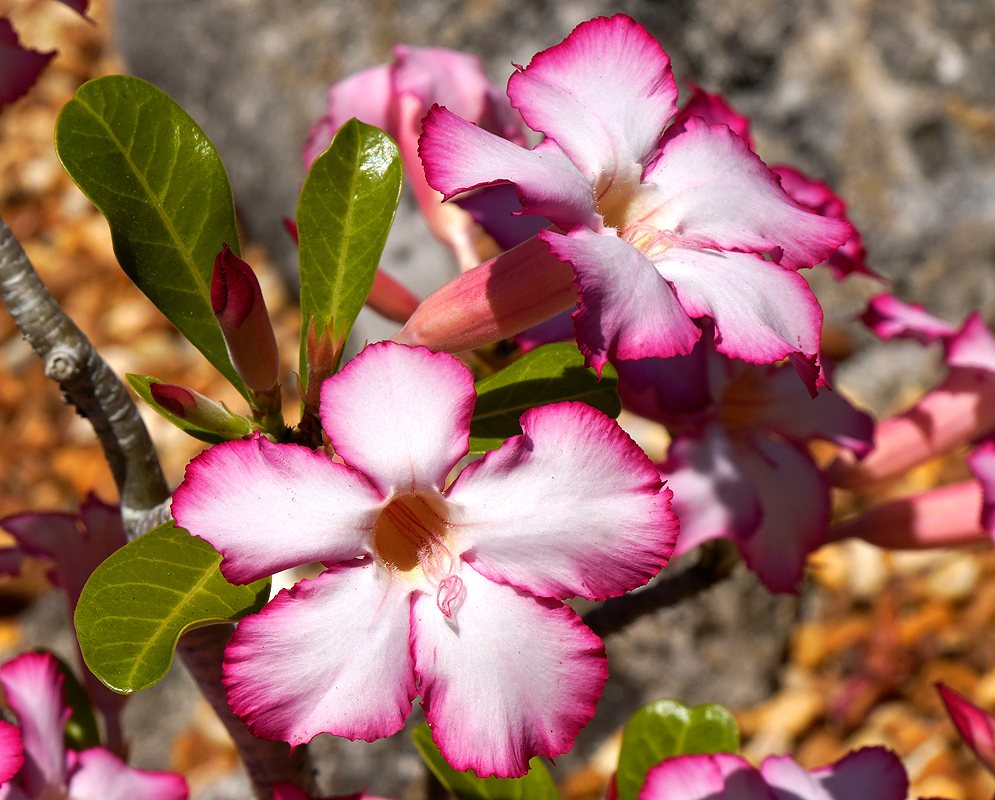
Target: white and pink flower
x=451, y=593
x=659, y=225
x=33, y=689
x=871, y=773
x=738, y=463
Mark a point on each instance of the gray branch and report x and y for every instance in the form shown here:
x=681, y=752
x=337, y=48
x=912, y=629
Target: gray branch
x=89, y=384
x=101, y=397
x=716, y=561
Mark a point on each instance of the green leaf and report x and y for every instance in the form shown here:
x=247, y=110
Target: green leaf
x=159, y=182
x=81, y=728
x=345, y=211
x=141, y=383
x=537, y=784
x=549, y=374
x=138, y=602
x=667, y=728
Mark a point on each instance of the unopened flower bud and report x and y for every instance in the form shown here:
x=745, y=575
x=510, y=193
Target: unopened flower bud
x=194, y=408
x=241, y=311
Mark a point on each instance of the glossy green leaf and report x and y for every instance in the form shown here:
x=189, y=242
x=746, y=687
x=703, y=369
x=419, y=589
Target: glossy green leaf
x=667, y=728
x=141, y=383
x=537, y=784
x=552, y=373
x=345, y=211
x=81, y=728
x=159, y=182
x=138, y=602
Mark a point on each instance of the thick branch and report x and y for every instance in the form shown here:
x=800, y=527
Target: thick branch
x=88, y=382
x=715, y=563
x=99, y=395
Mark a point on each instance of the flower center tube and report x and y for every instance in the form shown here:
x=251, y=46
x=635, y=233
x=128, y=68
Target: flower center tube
x=409, y=537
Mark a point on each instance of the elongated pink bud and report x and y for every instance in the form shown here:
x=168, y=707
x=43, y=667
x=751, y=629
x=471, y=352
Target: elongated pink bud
x=493, y=301
x=962, y=408
x=241, y=311
x=391, y=299
x=195, y=408
x=945, y=517
x=976, y=726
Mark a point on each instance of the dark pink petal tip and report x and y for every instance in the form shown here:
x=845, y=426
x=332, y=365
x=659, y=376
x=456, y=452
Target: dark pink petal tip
x=19, y=66
x=175, y=399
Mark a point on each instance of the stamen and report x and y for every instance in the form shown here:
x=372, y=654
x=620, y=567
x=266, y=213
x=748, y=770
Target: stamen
x=450, y=595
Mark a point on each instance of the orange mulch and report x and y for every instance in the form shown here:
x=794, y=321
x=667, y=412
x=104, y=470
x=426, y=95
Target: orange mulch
x=881, y=627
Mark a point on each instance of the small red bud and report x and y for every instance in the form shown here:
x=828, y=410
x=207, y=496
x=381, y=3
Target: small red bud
x=198, y=410
x=175, y=399
x=238, y=304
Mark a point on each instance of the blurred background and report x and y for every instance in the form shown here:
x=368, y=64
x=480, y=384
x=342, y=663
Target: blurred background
x=892, y=102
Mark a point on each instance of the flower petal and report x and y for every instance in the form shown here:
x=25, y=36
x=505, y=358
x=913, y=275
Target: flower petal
x=570, y=507
x=975, y=726
x=459, y=156
x=890, y=318
x=33, y=688
x=11, y=751
x=20, y=66
x=973, y=346
x=510, y=676
x=715, y=110
x=713, y=497
x=982, y=464
x=268, y=507
x=669, y=390
x=604, y=94
x=329, y=655
x=626, y=310
x=762, y=311
x=871, y=773
x=713, y=191
x=704, y=777
x=367, y=95
x=399, y=414
x=101, y=775
x=795, y=499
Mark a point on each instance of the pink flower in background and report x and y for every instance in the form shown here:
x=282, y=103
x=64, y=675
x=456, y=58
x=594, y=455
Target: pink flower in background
x=738, y=462
x=660, y=226
x=395, y=97
x=76, y=544
x=871, y=773
x=975, y=726
x=958, y=411
x=33, y=689
x=451, y=593
x=19, y=66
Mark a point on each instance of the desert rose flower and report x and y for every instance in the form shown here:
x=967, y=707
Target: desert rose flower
x=871, y=773
x=451, y=593
x=395, y=97
x=658, y=225
x=33, y=688
x=738, y=462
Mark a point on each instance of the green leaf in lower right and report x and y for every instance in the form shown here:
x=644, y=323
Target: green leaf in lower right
x=667, y=728
x=137, y=603
x=536, y=784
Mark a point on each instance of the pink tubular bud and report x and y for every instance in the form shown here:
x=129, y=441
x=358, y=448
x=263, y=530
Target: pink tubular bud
x=493, y=301
x=961, y=409
x=976, y=726
x=194, y=408
x=241, y=311
x=945, y=517
x=391, y=299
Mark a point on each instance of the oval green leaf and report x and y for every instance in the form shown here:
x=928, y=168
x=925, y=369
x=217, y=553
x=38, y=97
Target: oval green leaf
x=136, y=605
x=668, y=728
x=552, y=373
x=536, y=784
x=158, y=180
x=344, y=213
x=140, y=384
